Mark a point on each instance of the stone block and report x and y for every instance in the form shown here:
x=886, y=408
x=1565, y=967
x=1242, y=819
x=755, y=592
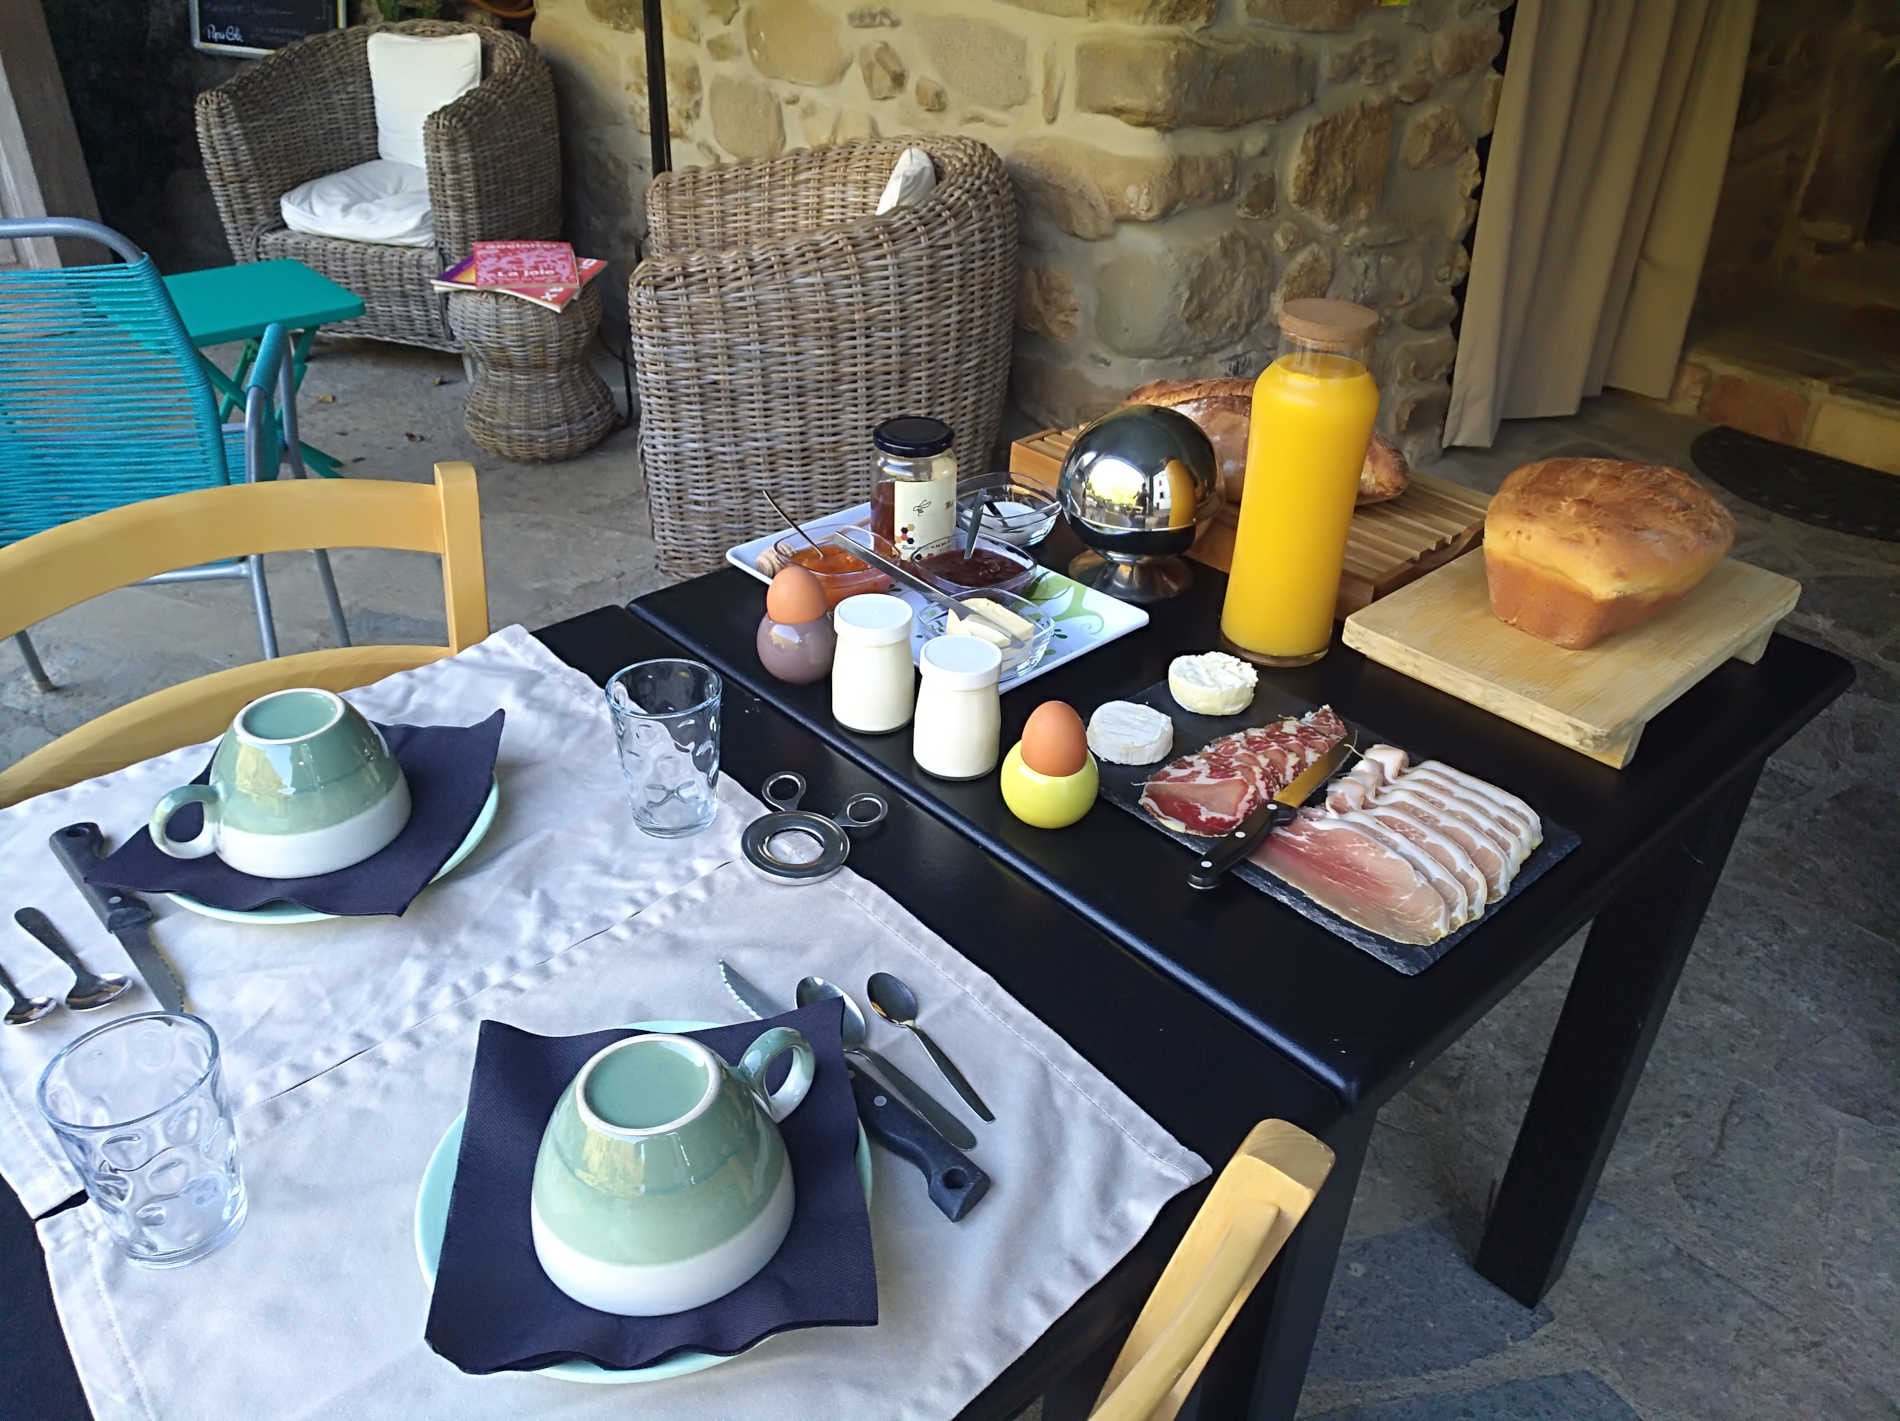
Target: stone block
x=1490, y=89
x=724, y=46
x=1370, y=60
x=1046, y=303
x=1310, y=14
x=1180, y=81
x=1060, y=394
x=1464, y=48
x=1417, y=410
x=1425, y=359
x=871, y=18
x=1287, y=236
x=1859, y=433
x=931, y=96
x=1068, y=9
x=722, y=10
x=1192, y=13
x=746, y=121
x=1430, y=311
x=1086, y=190
x=796, y=41
x=981, y=63
x=1470, y=172
x=1339, y=168
x=1177, y=296
x=1417, y=80
x=1308, y=274
x=1256, y=200
x=1434, y=137
x=622, y=15
x=1757, y=407
x=1454, y=268
x=883, y=71
x=1052, y=81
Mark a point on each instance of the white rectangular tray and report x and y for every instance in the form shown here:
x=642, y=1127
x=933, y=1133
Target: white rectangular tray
x=1084, y=618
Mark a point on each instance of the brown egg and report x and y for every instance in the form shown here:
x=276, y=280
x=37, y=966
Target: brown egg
x=795, y=595
x=1054, y=740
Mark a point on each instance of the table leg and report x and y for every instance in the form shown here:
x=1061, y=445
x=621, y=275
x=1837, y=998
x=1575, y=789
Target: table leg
x=1625, y=978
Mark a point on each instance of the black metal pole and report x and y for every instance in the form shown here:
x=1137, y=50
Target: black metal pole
x=660, y=130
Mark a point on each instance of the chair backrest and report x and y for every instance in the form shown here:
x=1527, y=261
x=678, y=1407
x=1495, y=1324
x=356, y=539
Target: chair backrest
x=103, y=399
x=67, y=565
x=1246, y=1219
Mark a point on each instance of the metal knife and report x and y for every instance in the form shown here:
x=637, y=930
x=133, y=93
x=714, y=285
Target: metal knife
x=1275, y=812
x=79, y=847
x=955, y=1182
x=919, y=1099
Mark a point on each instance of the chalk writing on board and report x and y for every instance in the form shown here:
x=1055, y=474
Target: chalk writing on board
x=256, y=27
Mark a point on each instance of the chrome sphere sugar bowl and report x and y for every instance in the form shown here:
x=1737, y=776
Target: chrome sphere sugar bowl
x=1138, y=486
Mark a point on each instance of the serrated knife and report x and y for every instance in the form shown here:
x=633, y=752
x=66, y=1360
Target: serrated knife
x=79, y=848
x=1279, y=810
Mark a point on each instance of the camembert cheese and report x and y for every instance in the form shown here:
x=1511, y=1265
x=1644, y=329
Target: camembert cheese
x=1212, y=683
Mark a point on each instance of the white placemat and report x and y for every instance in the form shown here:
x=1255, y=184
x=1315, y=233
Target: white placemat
x=561, y=862
x=317, y=1307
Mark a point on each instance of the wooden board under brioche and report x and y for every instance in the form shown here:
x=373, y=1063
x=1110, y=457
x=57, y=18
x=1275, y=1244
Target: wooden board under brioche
x=1388, y=545
x=1440, y=630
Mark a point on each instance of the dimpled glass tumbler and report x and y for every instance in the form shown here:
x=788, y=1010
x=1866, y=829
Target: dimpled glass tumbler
x=139, y=1107
x=666, y=720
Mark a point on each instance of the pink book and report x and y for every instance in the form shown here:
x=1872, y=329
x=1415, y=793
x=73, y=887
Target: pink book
x=525, y=264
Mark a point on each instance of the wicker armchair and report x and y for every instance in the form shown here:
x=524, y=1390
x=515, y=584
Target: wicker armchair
x=494, y=164
x=775, y=322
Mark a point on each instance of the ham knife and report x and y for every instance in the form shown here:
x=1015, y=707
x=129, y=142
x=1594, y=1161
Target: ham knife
x=1277, y=811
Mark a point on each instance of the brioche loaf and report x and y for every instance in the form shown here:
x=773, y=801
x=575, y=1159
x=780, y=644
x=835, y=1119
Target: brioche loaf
x=1575, y=549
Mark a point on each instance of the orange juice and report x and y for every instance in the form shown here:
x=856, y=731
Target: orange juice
x=1312, y=418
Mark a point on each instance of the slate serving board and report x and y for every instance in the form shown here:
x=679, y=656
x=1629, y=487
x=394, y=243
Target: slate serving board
x=1121, y=785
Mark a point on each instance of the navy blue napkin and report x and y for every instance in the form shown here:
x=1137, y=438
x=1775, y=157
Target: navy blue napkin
x=494, y=1309
x=449, y=769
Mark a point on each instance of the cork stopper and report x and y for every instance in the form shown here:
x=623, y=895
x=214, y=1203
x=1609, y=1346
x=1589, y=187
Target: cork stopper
x=1329, y=325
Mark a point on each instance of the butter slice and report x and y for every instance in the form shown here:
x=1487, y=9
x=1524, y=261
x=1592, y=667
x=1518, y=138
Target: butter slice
x=1212, y=683
x=990, y=616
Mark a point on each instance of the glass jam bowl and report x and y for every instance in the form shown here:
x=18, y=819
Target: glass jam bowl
x=1016, y=508
x=989, y=567
x=934, y=621
x=838, y=573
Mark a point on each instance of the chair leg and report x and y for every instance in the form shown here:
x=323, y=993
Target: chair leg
x=260, y=595
x=32, y=658
x=328, y=579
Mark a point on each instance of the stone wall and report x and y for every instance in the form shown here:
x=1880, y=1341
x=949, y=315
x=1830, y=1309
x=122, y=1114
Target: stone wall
x=1184, y=165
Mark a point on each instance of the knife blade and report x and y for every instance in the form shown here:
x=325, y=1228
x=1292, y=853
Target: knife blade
x=922, y=1101
x=78, y=847
x=1277, y=811
x=954, y=1182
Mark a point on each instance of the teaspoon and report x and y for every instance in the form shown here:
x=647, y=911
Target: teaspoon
x=24, y=1008
x=90, y=990
x=854, y=1031
x=897, y=1004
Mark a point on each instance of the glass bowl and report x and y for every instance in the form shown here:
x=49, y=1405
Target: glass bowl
x=934, y=621
x=838, y=573
x=1020, y=510
x=1015, y=569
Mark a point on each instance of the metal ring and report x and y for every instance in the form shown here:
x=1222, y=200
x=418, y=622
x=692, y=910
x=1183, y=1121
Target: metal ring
x=874, y=805
x=833, y=846
x=771, y=796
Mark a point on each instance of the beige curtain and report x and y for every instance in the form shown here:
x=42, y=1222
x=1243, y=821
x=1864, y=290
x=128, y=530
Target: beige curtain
x=1612, y=137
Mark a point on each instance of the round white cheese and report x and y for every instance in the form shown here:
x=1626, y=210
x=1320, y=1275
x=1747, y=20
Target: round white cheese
x=1212, y=683
x=1130, y=734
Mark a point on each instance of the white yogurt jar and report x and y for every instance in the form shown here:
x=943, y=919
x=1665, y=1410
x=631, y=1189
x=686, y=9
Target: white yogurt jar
x=959, y=710
x=873, y=687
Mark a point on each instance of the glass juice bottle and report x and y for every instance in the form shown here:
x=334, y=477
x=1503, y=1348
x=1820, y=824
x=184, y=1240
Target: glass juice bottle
x=1313, y=410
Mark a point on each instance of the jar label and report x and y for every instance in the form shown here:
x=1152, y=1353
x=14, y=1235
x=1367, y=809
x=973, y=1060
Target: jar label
x=922, y=512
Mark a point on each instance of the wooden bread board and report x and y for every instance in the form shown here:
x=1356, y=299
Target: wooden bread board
x=1440, y=630
x=1389, y=544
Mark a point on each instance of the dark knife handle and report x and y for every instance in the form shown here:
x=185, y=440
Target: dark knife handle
x=1236, y=846
x=955, y=1182
x=79, y=848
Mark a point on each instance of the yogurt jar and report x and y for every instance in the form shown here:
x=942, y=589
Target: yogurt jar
x=958, y=732
x=873, y=686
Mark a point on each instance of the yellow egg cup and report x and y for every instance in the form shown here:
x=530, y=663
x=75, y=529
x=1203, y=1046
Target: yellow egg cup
x=1047, y=801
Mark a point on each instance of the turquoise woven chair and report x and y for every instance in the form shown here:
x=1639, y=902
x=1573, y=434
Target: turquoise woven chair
x=104, y=401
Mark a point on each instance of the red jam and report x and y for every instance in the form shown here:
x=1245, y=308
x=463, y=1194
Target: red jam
x=981, y=568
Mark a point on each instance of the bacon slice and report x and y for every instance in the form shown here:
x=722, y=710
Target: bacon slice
x=1424, y=830
x=1342, y=868
x=1216, y=787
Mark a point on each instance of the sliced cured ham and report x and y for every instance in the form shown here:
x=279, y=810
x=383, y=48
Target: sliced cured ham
x=1492, y=852
x=1426, y=831
x=1344, y=869
x=1507, y=803
x=1216, y=787
x=1457, y=901
x=1518, y=836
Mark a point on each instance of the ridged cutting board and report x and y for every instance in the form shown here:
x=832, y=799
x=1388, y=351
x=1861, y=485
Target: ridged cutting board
x=1388, y=545
x=1440, y=630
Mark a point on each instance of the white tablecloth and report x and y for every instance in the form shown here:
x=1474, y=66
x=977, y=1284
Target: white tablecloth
x=351, y=1052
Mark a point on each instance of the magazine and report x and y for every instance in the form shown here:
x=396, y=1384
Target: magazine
x=553, y=296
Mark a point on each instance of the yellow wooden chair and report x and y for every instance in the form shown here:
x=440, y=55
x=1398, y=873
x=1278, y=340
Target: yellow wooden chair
x=66, y=565
x=1253, y=1208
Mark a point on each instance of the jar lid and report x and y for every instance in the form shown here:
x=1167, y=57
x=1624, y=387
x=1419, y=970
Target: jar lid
x=912, y=436
x=960, y=663
x=1322, y=322
x=872, y=619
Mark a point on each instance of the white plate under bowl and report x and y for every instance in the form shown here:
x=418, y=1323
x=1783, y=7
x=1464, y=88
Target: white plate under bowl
x=432, y=1215
x=284, y=912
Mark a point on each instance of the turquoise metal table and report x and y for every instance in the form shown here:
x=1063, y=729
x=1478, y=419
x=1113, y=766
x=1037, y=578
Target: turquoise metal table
x=226, y=303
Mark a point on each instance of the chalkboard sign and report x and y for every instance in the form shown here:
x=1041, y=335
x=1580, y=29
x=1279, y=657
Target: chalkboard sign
x=258, y=26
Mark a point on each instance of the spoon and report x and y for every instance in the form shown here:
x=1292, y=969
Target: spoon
x=854, y=1030
x=90, y=990
x=976, y=522
x=897, y=1004
x=904, y=578
x=790, y=521
x=24, y=1008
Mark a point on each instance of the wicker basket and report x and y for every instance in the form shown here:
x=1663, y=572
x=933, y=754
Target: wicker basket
x=775, y=323
x=534, y=397
x=493, y=157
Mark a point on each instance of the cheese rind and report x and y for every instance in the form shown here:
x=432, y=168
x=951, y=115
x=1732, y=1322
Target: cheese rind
x=1212, y=683
x=1130, y=734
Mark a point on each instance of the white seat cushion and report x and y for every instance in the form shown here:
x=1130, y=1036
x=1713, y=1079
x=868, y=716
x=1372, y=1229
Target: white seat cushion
x=411, y=77
x=378, y=201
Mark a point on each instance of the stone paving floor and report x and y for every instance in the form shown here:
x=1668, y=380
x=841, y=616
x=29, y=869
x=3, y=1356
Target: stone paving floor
x=1741, y=1259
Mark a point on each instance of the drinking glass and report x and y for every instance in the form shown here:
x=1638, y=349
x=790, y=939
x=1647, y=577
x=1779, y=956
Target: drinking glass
x=666, y=718
x=138, y=1105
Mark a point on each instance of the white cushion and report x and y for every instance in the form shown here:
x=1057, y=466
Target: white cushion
x=378, y=201
x=913, y=178
x=411, y=77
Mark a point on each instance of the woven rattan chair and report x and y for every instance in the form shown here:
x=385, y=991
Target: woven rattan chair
x=494, y=163
x=775, y=322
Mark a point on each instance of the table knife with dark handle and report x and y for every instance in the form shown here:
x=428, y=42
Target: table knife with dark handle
x=1277, y=811
x=79, y=847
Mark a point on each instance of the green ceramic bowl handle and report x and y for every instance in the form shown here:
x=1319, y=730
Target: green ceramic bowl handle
x=206, y=839
x=752, y=1067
